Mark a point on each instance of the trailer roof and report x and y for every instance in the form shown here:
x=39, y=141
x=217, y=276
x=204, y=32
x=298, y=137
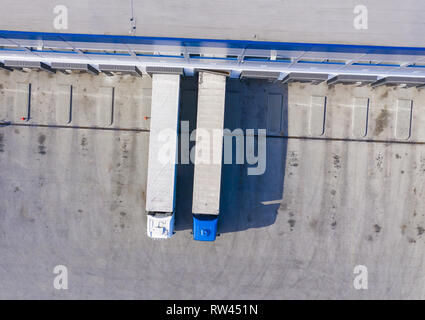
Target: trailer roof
x=210, y=118
x=164, y=120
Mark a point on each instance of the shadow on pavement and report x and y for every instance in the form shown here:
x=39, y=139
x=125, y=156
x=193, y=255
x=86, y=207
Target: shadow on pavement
x=247, y=201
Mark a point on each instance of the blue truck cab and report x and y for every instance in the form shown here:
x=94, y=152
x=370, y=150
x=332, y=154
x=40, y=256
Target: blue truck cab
x=204, y=227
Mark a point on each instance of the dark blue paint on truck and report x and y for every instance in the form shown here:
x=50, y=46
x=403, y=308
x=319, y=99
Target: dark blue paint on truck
x=204, y=227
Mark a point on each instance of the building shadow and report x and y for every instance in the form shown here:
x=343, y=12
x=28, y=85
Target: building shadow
x=246, y=201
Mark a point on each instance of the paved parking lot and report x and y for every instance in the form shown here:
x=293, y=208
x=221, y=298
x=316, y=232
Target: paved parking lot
x=73, y=193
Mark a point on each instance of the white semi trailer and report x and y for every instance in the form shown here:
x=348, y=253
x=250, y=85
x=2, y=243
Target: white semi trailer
x=207, y=174
x=160, y=193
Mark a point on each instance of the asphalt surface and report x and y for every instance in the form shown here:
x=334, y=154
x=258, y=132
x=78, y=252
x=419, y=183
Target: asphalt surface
x=74, y=194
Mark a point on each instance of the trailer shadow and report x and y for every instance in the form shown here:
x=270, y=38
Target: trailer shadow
x=184, y=184
x=246, y=201
x=252, y=201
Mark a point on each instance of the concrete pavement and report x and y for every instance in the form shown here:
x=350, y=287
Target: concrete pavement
x=76, y=196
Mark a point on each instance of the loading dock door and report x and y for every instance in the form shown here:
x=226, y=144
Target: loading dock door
x=63, y=108
x=274, y=114
x=317, y=115
x=360, y=117
x=22, y=102
x=104, y=106
x=403, y=119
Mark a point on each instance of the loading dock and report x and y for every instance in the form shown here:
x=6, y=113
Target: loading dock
x=22, y=110
x=63, y=112
x=403, y=119
x=317, y=115
x=275, y=114
x=372, y=184
x=360, y=116
x=105, y=106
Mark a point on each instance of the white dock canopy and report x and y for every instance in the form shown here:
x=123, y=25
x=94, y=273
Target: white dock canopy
x=209, y=144
x=163, y=143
